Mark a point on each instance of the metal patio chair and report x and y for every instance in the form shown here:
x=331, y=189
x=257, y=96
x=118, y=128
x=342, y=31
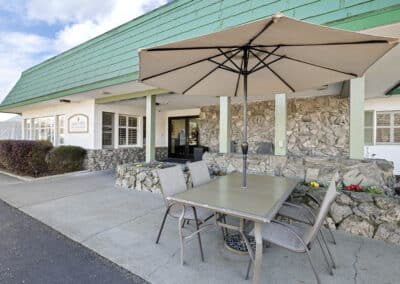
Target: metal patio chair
x=173, y=182
x=300, y=237
x=302, y=214
x=199, y=173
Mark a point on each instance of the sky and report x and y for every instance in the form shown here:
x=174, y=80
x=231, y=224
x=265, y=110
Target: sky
x=33, y=30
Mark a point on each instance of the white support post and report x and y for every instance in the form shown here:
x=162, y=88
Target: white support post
x=357, y=97
x=150, y=128
x=225, y=118
x=280, y=124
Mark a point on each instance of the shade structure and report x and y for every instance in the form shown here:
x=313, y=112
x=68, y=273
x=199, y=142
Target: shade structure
x=269, y=56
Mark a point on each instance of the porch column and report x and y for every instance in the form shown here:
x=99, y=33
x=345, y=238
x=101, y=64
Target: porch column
x=357, y=97
x=280, y=124
x=150, y=128
x=225, y=118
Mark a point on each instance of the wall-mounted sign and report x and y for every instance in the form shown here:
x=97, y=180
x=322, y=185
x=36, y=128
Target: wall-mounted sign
x=78, y=123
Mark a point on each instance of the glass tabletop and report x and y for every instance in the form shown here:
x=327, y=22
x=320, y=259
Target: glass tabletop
x=259, y=202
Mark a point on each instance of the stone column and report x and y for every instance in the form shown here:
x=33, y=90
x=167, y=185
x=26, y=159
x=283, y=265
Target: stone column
x=150, y=128
x=280, y=124
x=357, y=97
x=225, y=119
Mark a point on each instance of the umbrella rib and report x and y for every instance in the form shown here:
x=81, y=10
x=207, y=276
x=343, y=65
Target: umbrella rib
x=227, y=68
x=193, y=48
x=184, y=66
x=265, y=58
x=327, y=43
x=280, y=78
x=209, y=73
x=230, y=59
x=307, y=63
x=261, y=32
x=273, y=71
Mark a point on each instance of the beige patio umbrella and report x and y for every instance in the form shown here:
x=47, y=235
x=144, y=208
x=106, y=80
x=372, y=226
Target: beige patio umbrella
x=269, y=56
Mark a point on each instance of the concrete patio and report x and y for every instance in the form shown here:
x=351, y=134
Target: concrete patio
x=121, y=225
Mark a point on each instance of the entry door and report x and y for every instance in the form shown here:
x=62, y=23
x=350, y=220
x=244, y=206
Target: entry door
x=183, y=136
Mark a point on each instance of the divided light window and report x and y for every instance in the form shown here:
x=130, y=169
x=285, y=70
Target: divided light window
x=107, y=129
x=388, y=127
x=61, y=129
x=28, y=129
x=128, y=130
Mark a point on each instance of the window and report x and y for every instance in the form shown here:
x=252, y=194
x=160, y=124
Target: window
x=108, y=129
x=61, y=129
x=388, y=127
x=43, y=128
x=27, y=129
x=369, y=127
x=127, y=134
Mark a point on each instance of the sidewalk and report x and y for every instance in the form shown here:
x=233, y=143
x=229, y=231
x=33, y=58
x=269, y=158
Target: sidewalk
x=121, y=225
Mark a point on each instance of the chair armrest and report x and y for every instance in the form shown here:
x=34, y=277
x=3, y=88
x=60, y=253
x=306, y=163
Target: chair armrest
x=303, y=208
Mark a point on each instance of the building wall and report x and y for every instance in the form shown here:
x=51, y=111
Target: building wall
x=317, y=126
x=384, y=151
x=83, y=107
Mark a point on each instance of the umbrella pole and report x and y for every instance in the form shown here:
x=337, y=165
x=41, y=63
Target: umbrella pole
x=245, y=145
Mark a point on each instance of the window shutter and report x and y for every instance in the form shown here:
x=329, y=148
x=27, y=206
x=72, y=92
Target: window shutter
x=369, y=127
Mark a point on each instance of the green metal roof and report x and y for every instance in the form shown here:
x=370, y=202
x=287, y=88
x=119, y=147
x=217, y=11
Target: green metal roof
x=112, y=58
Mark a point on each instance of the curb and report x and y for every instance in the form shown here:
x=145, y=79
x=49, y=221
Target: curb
x=30, y=179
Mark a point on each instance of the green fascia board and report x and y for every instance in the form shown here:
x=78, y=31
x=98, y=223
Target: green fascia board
x=394, y=91
x=112, y=57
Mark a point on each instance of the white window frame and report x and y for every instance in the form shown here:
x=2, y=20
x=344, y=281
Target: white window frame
x=391, y=127
x=39, y=128
x=28, y=131
x=58, y=134
x=372, y=127
x=112, y=130
x=126, y=127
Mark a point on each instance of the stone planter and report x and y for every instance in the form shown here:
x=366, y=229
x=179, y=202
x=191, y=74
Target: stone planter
x=360, y=213
x=143, y=177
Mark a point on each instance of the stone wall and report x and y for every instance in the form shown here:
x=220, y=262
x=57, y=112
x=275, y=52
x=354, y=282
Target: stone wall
x=142, y=178
x=103, y=159
x=317, y=126
x=343, y=171
x=359, y=213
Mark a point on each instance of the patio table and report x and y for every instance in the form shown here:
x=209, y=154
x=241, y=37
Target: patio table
x=259, y=203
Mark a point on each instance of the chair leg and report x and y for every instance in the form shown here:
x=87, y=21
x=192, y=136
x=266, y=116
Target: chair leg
x=162, y=225
x=198, y=234
x=329, y=251
x=333, y=240
x=312, y=265
x=248, y=269
x=325, y=256
x=181, y=237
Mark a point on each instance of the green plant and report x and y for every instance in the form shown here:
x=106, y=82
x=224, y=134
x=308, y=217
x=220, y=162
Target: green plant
x=65, y=159
x=373, y=189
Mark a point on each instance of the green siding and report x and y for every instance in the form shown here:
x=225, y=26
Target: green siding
x=112, y=58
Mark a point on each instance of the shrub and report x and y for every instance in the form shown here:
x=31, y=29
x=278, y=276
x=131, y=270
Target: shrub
x=24, y=157
x=65, y=159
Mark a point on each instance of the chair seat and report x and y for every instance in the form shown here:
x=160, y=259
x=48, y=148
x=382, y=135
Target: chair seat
x=296, y=214
x=202, y=214
x=280, y=235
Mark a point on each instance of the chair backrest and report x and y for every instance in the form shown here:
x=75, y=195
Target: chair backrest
x=172, y=181
x=323, y=212
x=199, y=173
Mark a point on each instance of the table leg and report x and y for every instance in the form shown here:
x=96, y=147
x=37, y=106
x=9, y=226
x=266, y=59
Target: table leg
x=258, y=254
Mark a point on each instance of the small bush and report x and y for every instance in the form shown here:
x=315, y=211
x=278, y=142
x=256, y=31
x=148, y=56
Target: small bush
x=24, y=157
x=65, y=159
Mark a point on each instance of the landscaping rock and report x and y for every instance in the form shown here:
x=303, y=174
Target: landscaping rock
x=357, y=226
x=339, y=212
x=389, y=233
x=361, y=197
x=344, y=199
x=385, y=202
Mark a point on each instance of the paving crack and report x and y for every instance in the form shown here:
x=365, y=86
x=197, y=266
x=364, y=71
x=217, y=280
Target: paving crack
x=163, y=264
x=355, y=262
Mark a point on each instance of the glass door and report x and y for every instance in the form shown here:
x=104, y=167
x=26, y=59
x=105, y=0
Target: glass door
x=183, y=136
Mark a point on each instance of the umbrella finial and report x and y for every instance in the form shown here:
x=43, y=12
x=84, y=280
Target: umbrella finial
x=277, y=16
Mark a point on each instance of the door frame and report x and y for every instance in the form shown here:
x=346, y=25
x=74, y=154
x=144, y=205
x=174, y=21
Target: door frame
x=187, y=118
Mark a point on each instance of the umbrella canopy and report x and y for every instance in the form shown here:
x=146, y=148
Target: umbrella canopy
x=269, y=56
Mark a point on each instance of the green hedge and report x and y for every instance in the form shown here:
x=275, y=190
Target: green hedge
x=24, y=157
x=65, y=159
